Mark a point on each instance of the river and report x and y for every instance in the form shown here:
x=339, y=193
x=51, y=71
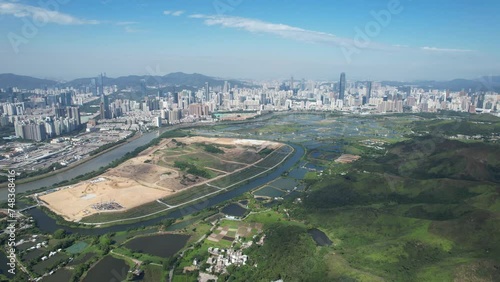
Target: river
x=89, y=166
x=106, y=158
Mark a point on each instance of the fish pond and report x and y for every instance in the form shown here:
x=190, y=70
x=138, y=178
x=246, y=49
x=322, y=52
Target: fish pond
x=164, y=245
x=234, y=210
x=108, y=269
x=319, y=237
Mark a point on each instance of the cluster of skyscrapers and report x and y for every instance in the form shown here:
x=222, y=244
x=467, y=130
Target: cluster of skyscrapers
x=51, y=126
x=52, y=113
x=41, y=116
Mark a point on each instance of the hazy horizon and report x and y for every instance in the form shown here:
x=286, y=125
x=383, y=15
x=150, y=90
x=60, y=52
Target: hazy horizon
x=333, y=79
x=368, y=40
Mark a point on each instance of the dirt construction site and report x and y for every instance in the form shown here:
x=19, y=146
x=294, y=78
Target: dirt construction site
x=159, y=171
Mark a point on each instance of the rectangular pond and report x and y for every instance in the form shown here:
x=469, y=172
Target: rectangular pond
x=234, y=210
x=284, y=183
x=108, y=269
x=164, y=245
x=268, y=191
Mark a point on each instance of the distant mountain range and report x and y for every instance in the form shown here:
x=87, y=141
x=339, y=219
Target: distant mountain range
x=486, y=83
x=25, y=82
x=181, y=80
x=177, y=79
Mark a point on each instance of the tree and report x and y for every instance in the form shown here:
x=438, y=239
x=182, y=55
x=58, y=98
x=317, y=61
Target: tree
x=59, y=234
x=104, y=240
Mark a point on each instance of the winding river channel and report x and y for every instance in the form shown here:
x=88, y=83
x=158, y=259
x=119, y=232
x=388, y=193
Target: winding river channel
x=88, y=166
x=101, y=160
x=48, y=224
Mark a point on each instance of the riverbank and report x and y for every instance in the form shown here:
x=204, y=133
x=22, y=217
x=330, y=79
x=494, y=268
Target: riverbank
x=49, y=224
x=196, y=199
x=73, y=165
x=105, y=158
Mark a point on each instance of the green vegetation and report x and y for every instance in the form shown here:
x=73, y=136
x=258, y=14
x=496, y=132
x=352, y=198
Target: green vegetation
x=153, y=273
x=274, y=157
x=77, y=248
x=6, y=131
x=211, y=148
x=266, y=151
x=470, y=125
x=192, y=169
x=289, y=253
x=24, y=175
x=240, y=176
x=403, y=217
x=189, y=194
x=422, y=208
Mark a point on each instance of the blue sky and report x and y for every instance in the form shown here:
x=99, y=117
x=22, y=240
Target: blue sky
x=409, y=40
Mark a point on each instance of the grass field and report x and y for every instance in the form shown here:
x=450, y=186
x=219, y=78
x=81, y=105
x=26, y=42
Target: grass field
x=230, y=180
x=122, y=236
x=275, y=157
x=77, y=247
x=154, y=273
x=189, y=195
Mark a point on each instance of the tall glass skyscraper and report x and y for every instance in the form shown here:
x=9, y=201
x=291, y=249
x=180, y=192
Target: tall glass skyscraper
x=368, y=91
x=342, y=86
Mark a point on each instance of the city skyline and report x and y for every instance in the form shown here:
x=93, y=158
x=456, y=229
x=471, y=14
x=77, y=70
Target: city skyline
x=369, y=40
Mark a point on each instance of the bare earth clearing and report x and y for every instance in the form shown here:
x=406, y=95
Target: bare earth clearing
x=152, y=175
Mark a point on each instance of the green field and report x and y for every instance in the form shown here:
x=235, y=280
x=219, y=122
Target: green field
x=189, y=194
x=122, y=236
x=77, y=248
x=153, y=273
x=423, y=209
x=229, y=181
x=275, y=157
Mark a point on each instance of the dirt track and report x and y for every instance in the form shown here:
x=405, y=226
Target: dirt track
x=142, y=179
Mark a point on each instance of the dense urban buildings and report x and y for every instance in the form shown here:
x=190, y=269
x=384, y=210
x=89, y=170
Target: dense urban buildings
x=40, y=114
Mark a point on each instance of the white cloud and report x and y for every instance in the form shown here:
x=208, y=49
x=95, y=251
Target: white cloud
x=126, y=23
x=300, y=34
x=281, y=30
x=445, y=50
x=42, y=15
x=131, y=29
x=197, y=16
x=173, y=13
x=177, y=13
